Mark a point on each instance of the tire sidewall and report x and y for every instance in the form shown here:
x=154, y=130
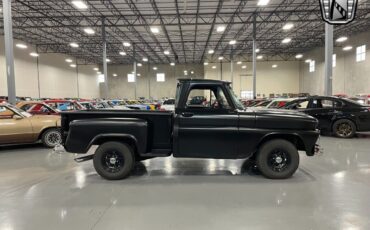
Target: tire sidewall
x=263, y=157
x=45, y=135
x=344, y=121
x=121, y=149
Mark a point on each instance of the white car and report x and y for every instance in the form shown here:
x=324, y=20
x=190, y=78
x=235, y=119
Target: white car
x=276, y=103
x=168, y=105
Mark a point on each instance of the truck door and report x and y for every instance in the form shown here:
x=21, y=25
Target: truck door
x=207, y=126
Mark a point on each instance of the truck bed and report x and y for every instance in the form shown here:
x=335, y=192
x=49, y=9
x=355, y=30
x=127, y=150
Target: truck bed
x=159, y=124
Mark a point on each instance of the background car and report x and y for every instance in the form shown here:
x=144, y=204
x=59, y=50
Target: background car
x=18, y=126
x=168, y=105
x=65, y=105
x=37, y=108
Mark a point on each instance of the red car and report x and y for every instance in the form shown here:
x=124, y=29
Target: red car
x=37, y=108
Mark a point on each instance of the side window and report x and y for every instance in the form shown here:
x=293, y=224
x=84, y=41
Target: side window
x=326, y=104
x=5, y=113
x=26, y=107
x=338, y=104
x=207, y=98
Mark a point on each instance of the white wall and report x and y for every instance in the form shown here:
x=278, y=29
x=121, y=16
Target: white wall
x=57, y=78
x=349, y=77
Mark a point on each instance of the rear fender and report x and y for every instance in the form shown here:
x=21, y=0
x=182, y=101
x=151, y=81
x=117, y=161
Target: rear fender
x=123, y=138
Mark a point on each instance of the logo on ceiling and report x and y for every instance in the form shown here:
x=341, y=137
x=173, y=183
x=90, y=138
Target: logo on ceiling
x=338, y=12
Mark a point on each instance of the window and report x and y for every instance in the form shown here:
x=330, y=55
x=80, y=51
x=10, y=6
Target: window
x=130, y=77
x=160, y=77
x=246, y=94
x=326, y=104
x=334, y=60
x=361, y=53
x=208, y=98
x=312, y=66
x=5, y=113
x=101, y=78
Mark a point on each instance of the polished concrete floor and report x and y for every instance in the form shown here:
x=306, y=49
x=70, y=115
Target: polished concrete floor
x=43, y=190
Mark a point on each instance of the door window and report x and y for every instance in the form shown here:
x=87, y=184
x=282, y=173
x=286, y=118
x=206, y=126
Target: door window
x=207, y=98
x=326, y=104
x=6, y=113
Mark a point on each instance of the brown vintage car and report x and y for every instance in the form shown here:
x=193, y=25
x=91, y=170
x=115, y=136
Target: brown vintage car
x=18, y=126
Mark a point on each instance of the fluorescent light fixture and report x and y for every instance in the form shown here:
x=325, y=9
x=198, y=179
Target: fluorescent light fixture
x=192, y=72
x=126, y=44
x=244, y=67
x=96, y=69
x=79, y=4
x=166, y=52
x=263, y=2
x=155, y=30
x=307, y=60
x=139, y=64
x=232, y=42
x=342, y=39
x=220, y=58
x=145, y=59
x=33, y=54
x=259, y=57
x=346, y=48
x=123, y=53
x=239, y=62
x=98, y=72
x=286, y=40
x=21, y=46
x=288, y=26
x=69, y=60
x=155, y=68
x=74, y=44
x=114, y=75
x=220, y=29
x=73, y=65
x=274, y=66
x=172, y=63
x=185, y=71
x=211, y=51
x=138, y=74
x=89, y=31
x=205, y=63
x=257, y=50
x=298, y=56
x=108, y=60
x=214, y=67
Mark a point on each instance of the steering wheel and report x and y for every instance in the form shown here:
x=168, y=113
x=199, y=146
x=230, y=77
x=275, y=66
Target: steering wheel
x=215, y=105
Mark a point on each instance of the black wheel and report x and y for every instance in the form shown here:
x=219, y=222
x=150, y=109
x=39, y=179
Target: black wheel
x=344, y=128
x=51, y=138
x=277, y=159
x=114, y=160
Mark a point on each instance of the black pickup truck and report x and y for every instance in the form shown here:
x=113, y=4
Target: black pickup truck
x=219, y=127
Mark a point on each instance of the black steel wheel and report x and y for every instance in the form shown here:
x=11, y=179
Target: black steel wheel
x=114, y=160
x=277, y=159
x=344, y=128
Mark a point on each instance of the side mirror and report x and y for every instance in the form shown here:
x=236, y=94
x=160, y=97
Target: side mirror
x=17, y=117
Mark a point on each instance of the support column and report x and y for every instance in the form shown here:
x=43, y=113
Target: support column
x=135, y=76
x=78, y=81
x=328, y=59
x=232, y=70
x=9, y=55
x=254, y=58
x=105, y=67
x=38, y=72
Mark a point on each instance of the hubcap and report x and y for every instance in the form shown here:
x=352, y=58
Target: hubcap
x=278, y=160
x=53, y=138
x=112, y=161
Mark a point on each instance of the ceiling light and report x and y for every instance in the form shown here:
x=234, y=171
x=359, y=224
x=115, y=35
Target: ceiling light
x=220, y=29
x=205, y=63
x=139, y=64
x=286, y=40
x=155, y=68
x=126, y=44
x=274, y=66
x=220, y=58
x=133, y=72
x=69, y=60
x=114, y=75
x=74, y=44
x=259, y=57
x=108, y=60
x=263, y=2
x=79, y=4
x=288, y=26
x=211, y=51
x=89, y=31
x=346, y=48
x=155, y=30
x=138, y=74
x=298, y=56
x=214, y=67
x=232, y=42
x=172, y=63
x=342, y=39
x=21, y=46
x=307, y=60
x=185, y=71
x=123, y=53
x=96, y=69
x=244, y=67
x=239, y=62
x=98, y=72
x=257, y=50
x=166, y=52
x=73, y=65
x=34, y=54
x=145, y=59
x=192, y=72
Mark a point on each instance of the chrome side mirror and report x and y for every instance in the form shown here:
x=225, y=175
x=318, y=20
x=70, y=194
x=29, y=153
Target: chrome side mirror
x=17, y=117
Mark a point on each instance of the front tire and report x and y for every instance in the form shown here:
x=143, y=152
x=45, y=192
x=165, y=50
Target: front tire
x=51, y=138
x=277, y=159
x=344, y=128
x=114, y=160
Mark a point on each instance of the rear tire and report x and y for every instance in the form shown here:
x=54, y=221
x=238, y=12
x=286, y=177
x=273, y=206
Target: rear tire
x=114, y=160
x=51, y=138
x=344, y=128
x=277, y=159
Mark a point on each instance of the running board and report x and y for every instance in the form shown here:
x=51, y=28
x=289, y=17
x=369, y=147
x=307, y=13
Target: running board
x=84, y=158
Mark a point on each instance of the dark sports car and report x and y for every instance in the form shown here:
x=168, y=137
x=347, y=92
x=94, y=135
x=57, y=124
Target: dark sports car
x=340, y=116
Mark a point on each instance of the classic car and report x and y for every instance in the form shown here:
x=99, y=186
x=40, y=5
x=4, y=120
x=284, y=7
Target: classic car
x=340, y=116
x=18, y=127
x=65, y=105
x=37, y=108
x=168, y=105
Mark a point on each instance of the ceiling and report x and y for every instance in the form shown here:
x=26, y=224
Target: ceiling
x=187, y=28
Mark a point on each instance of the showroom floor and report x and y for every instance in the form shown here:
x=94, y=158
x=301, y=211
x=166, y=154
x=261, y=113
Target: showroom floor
x=40, y=189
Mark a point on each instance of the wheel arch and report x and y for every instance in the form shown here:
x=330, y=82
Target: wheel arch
x=343, y=118
x=46, y=129
x=122, y=138
x=293, y=138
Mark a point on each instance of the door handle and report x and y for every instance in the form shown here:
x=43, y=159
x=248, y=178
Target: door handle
x=187, y=114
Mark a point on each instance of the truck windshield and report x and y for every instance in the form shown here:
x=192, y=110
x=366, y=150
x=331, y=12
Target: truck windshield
x=235, y=99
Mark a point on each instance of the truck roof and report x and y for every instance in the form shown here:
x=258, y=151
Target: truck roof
x=202, y=80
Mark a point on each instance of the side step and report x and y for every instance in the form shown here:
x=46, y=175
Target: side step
x=158, y=153
x=84, y=158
